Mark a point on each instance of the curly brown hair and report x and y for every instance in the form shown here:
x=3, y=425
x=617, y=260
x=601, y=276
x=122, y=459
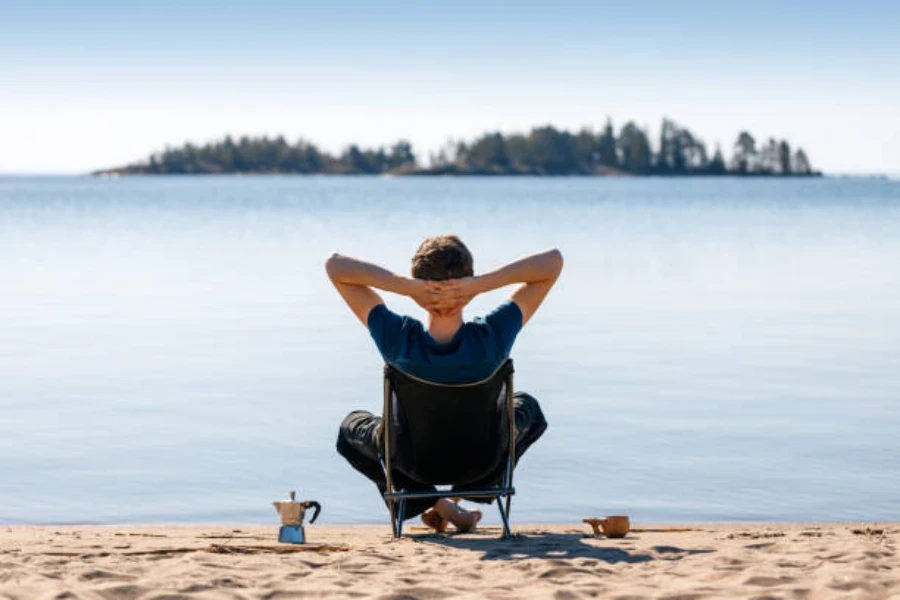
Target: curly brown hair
x=442, y=257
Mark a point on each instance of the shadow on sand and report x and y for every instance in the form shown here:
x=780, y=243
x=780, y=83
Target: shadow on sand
x=558, y=546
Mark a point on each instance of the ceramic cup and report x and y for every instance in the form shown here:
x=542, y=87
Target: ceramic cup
x=615, y=527
x=611, y=527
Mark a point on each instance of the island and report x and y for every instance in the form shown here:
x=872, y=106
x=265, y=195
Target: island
x=544, y=150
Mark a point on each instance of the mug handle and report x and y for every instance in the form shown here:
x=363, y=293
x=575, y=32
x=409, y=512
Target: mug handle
x=316, y=506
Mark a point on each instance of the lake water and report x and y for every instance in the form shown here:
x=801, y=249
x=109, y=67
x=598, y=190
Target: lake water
x=716, y=349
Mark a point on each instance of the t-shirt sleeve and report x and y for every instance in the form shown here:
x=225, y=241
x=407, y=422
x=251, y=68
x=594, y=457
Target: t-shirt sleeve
x=385, y=327
x=506, y=322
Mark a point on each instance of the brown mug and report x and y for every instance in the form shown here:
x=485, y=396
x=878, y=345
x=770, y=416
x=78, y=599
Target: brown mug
x=612, y=527
x=615, y=527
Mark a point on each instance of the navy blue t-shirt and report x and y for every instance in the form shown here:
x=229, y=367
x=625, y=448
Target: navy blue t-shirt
x=477, y=349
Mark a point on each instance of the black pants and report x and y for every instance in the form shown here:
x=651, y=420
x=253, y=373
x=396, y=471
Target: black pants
x=358, y=441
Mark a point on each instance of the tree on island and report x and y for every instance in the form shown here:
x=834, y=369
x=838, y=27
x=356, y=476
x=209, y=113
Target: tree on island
x=544, y=150
x=634, y=151
x=717, y=164
x=743, y=159
x=801, y=164
x=784, y=158
x=607, y=154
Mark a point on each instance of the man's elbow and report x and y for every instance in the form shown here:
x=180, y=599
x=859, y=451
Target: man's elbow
x=556, y=261
x=333, y=265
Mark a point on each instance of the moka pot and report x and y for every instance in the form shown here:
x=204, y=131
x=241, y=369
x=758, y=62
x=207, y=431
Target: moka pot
x=292, y=513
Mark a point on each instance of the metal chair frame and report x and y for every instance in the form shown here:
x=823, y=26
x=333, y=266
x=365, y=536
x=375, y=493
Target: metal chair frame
x=396, y=499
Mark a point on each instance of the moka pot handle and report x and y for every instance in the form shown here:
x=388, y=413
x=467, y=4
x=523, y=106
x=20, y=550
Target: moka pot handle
x=313, y=504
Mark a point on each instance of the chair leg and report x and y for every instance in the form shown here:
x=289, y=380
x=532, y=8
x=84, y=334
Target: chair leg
x=504, y=516
x=400, y=514
x=392, y=507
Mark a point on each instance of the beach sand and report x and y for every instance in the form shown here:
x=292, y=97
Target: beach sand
x=556, y=561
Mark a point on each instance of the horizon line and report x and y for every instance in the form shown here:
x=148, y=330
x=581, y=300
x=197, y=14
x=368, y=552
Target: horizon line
x=892, y=175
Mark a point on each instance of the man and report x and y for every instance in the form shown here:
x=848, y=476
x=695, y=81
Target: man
x=446, y=349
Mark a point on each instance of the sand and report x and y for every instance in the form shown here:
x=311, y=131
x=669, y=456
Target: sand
x=559, y=561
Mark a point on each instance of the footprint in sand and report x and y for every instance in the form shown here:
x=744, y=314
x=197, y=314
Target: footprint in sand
x=301, y=574
x=786, y=564
x=417, y=594
x=769, y=581
x=849, y=586
x=836, y=558
x=122, y=592
x=101, y=576
x=566, y=571
x=389, y=559
x=759, y=546
x=313, y=565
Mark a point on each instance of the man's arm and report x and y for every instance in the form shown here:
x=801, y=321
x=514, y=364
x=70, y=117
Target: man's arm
x=355, y=278
x=537, y=274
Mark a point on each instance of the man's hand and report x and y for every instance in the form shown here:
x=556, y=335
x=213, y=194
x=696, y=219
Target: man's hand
x=454, y=295
x=426, y=294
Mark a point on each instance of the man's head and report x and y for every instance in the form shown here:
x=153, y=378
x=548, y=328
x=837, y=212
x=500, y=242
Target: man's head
x=442, y=257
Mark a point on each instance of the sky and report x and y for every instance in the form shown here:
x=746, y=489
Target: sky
x=92, y=84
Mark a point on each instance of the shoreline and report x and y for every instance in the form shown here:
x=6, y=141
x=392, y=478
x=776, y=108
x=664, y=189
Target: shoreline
x=780, y=560
x=116, y=173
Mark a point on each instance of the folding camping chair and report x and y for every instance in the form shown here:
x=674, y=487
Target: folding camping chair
x=459, y=435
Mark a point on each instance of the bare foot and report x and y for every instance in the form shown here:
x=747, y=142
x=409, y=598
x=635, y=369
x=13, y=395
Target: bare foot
x=435, y=521
x=464, y=520
x=474, y=516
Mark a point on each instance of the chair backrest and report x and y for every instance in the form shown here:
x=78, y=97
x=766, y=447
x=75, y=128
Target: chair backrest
x=447, y=434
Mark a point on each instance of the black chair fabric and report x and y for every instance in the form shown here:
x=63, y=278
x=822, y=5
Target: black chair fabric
x=449, y=434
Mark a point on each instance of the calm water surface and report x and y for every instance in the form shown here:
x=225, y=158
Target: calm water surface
x=170, y=349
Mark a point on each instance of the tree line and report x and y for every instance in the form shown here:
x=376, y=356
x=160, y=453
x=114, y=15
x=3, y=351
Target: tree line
x=543, y=151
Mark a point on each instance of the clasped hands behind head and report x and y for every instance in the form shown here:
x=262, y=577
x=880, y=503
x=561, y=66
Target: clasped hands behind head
x=444, y=298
